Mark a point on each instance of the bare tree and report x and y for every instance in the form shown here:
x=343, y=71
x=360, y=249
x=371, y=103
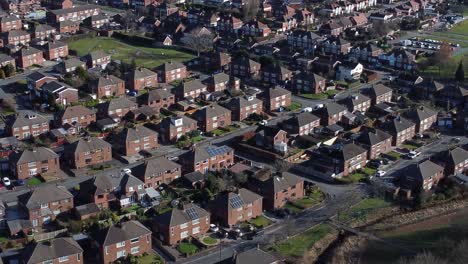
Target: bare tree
x=199, y=40
x=281, y=166
x=250, y=9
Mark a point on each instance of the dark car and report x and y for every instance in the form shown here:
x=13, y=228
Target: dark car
x=146, y=154
x=19, y=182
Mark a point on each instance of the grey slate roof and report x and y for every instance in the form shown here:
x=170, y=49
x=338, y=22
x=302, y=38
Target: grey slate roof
x=154, y=167
x=169, y=66
x=210, y=111
x=373, y=137
x=52, y=249
x=26, y=51
x=132, y=134
x=330, y=109
x=241, y=102
x=285, y=181
x=107, y=80
x=73, y=62
x=354, y=100
x=154, y=95
x=217, y=78
x=186, y=121
x=351, y=150
x=87, y=145
x=223, y=200
x=46, y=194
x=23, y=120
x=98, y=54
x=458, y=155
x=38, y=154
x=73, y=9
x=75, y=111
x=423, y=170
x=192, y=85
x=398, y=124
x=118, y=103
x=420, y=113
x=141, y=73
x=378, y=90
x=179, y=216
x=302, y=119
x=126, y=231
x=5, y=58
x=276, y=92
x=255, y=256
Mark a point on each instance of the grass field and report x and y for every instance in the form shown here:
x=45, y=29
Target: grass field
x=460, y=28
x=187, y=248
x=361, y=209
x=143, y=56
x=260, y=221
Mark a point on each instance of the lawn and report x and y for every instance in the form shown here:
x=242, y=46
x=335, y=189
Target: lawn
x=361, y=209
x=150, y=259
x=394, y=155
x=260, y=221
x=298, y=245
x=409, y=146
x=143, y=56
x=293, y=208
x=353, y=177
x=33, y=182
x=196, y=139
x=369, y=171
x=319, y=96
x=218, y=132
x=294, y=106
x=209, y=240
x=460, y=28
x=187, y=248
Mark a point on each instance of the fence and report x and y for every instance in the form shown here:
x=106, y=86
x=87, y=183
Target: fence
x=49, y=235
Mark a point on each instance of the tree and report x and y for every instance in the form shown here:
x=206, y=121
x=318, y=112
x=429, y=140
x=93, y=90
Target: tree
x=2, y=74
x=250, y=9
x=281, y=165
x=459, y=74
x=9, y=70
x=442, y=56
x=199, y=40
x=82, y=73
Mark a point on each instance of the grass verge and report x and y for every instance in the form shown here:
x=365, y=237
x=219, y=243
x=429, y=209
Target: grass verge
x=260, y=221
x=361, y=209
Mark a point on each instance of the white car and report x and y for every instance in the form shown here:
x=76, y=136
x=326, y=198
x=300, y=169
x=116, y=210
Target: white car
x=263, y=122
x=6, y=181
x=127, y=170
x=413, y=154
x=307, y=109
x=214, y=228
x=380, y=173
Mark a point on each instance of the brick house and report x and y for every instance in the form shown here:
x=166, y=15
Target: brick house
x=303, y=40
x=70, y=65
x=26, y=126
x=379, y=94
x=97, y=59
x=275, y=74
x=255, y=29
x=207, y=158
x=181, y=223
x=116, y=108
x=59, y=93
x=356, y=103
x=212, y=117
x=44, y=203
x=99, y=190
x=330, y=114
x=301, y=124
x=171, y=71
x=28, y=56
x=96, y=21
x=377, y=142
x=350, y=158
x=78, y=13
x=336, y=46
x=423, y=117
x=231, y=208
x=121, y=240
x=401, y=130
x=42, y=31
x=217, y=82
x=242, y=107
x=36, y=80
x=309, y=83
x=230, y=24
x=57, y=250
x=422, y=176
x=172, y=128
x=30, y=163
x=87, y=152
x=277, y=190
x=107, y=86
x=157, y=99
x=272, y=137
x=276, y=97
x=16, y=37
x=141, y=78
x=217, y=60
x=193, y=89
x=243, y=67
x=6, y=59
x=455, y=161
x=70, y=27
x=74, y=118
x=155, y=172
x=132, y=140
x=54, y=50
x=8, y=23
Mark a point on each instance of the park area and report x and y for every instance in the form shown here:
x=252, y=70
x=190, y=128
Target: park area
x=144, y=56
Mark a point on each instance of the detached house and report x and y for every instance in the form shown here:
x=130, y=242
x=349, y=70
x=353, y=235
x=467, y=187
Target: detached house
x=116, y=108
x=422, y=176
x=57, y=250
x=191, y=89
x=231, y=208
x=244, y=67
x=121, y=240
x=277, y=190
x=182, y=223
x=141, y=78
x=28, y=56
x=171, y=71
x=26, y=126
x=401, y=130
x=423, y=117
x=30, y=163
x=172, y=128
x=97, y=59
x=88, y=152
x=331, y=113
x=301, y=124
x=54, y=50
x=276, y=98
x=309, y=83
x=212, y=117
x=203, y=159
x=157, y=99
x=132, y=140
x=456, y=161
x=376, y=142
x=242, y=107
x=43, y=204
x=155, y=172
x=107, y=86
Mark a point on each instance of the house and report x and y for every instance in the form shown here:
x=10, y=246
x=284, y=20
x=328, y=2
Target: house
x=255, y=255
x=242, y=107
x=217, y=60
x=231, y=208
x=97, y=59
x=157, y=99
x=70, y=27
x=377, y=142
x=349, y=71
x=229, y=24
x=194, y=180
x=272, y=137
x=87, y=152
x=10, y=22
x=212, y=117
x=172, y=128
x=356, y=103
x=7, y=60
x=217, y=82
x=155, y=172
x=455, y=161
x=141, y=78
x=336, y=46
x=276, y=98
x=16, y=37
x=100, y=190
x=171, y=71
x=44, y=203
x=56, y=250
x=349, y=158
x=54, y=50
x=401, y=130
x=78, y=13
x=399, y=59
x=30, y=163
x=74, y=118
x=365, y=52
x=207, y=158
x=303, y=40
x=26, y=126
x=330, y=114
x=308, y=83
x=107, y=86
x=59, y=93
x=132, y=140
x=192, y=89
x=70, y=65
x=254, y=29
x=28, y=56
x=243, y=67
x=379, y=94
x=301, y=124
x=277, y=190
x=116, y=108
x=422, y=176
x=58, y=4
x=36, y=80
x=123, y=239
x=275, y=74
x=181, y=223
x=96, y=21
x=423, y=117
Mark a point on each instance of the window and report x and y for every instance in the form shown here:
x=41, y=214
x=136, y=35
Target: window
x=196, y=230
x=196, y=222
x=134, y=240
x=63, y=259
x=45, y=205
x=121, y=244
x=184, y=234
x=182, y=226
x=121, y=254
x=134, y=250
x=48, y=262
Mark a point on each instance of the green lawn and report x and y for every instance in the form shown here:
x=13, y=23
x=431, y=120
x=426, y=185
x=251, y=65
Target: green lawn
x=298, y=245
x=369, y=171
x=353, y=177
x=143, y=56
x=293, y=208
x=460, y=28
x=218, y=132
x=294, y=106
x=150, y=259
x=361, y=209
x=394, y=155
x=33, y=182
x=260, y=221
x=187, y=248
x=209, y=240
x=409, y=146
x=319, y=96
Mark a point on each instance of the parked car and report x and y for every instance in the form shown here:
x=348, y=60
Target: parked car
x=19, y=182
x=6, y=181
x=307, y=109
x=380, y=173
x=413, y=154
x=263, y=122
x=214, y=228
x=127, y=170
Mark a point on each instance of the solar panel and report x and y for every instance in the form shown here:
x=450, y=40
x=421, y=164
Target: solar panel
x=217, y=151
x=192, y=213
x=236, y=202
